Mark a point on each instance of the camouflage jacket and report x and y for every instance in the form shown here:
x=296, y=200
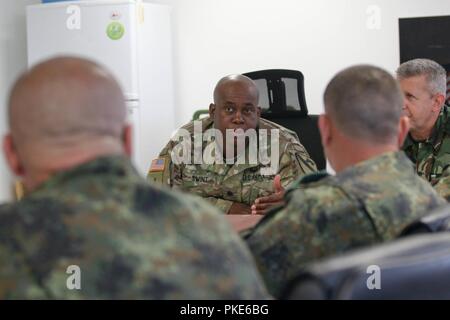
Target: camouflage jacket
x=432, y=156
x=130, y=240
x=442, y=187
x=223, y=184
x=326, y=215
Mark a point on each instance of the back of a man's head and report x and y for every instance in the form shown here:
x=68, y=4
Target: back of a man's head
x=61, y=113
x=365, y=102
x=435, y=74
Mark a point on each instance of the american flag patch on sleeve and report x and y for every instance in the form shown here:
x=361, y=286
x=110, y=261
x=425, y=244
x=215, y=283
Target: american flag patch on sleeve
x=157, y=165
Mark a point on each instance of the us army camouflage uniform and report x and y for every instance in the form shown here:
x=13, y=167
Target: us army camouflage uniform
x=130, y=240
x=432, y=156
x=223, y=184
x=325, y=215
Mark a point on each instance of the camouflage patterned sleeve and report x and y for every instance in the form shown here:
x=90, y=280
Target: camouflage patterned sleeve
x=167, y=173
x=443, y=185
x=17, y=280
x=294, y=163
x=315, y=223
x=221, y=204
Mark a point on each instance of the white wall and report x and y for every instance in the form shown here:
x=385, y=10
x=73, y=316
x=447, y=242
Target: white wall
x=213, y=38
x=12, y=62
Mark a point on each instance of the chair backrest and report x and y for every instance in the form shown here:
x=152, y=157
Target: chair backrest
x=202, y=113
x=412, y=268
x=282, y=100
x=307, y=131
x=438, y=220
x=281, y=91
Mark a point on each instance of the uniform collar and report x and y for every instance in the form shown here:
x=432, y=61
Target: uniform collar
x=385, y=162
x=437, y=133
x=120, y=166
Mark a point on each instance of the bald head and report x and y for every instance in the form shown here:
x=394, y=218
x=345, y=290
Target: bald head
x=66, y=110
x=233, y=81
x=65, y=98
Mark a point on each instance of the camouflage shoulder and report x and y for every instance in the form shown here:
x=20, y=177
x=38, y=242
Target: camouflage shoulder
x=308, y=179
x=442, y=187
x=285, y=133
x=205, y=122
x=298, y=154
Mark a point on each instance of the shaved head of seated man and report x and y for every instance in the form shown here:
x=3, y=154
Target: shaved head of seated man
x=88, y=220
x=58, y=121
x=233, y=187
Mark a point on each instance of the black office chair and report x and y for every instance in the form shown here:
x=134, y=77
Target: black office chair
x=438, y=220
x=282, y=100
x=411, y=268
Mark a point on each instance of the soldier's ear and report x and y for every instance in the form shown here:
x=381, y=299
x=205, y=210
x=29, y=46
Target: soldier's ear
x=258, y=111
x=128, y=140
x=12, y=156
x=439, y=100
x=212, y=110
x=403, y=129
x=325, y=129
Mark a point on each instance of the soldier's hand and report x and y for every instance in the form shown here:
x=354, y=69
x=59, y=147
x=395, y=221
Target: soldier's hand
x=239, y=208
x=263, y=204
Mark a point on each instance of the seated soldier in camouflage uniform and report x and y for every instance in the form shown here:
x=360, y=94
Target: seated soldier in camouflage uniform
x=233, y=187
x=374, y=194
x=424, y=83
x=88, y=212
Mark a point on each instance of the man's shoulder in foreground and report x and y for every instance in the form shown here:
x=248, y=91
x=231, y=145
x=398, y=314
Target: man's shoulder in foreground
x=327, y=215
x=313, y=223
x=159, y=245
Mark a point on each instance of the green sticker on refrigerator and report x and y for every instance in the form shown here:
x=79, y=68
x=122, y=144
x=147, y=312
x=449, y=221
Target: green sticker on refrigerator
x=115, y=30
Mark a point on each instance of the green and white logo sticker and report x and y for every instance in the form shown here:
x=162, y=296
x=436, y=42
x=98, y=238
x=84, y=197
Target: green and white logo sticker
x=115, y=30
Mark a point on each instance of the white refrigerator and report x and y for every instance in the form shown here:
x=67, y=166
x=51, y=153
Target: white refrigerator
x=133, y=40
